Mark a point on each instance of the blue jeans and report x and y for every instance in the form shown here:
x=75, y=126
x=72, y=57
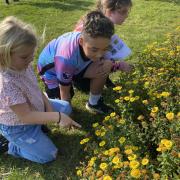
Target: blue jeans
x=29, y=142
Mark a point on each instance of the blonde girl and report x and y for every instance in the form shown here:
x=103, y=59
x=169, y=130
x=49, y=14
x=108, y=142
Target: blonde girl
x=23, y=107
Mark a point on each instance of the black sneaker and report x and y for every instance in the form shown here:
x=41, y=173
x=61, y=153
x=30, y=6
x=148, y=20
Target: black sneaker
x=109, y=83
x=3, y=144
x=100, y=107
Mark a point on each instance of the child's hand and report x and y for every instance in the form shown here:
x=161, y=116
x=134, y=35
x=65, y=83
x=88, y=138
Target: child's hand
x=125, y=67
x=67, y=122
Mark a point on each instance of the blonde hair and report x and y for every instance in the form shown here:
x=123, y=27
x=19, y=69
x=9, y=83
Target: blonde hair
x=14, y=34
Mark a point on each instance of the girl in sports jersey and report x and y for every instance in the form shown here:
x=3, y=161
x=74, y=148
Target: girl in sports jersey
x=76, y=56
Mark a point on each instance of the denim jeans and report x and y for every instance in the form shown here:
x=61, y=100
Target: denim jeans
x=29, y=142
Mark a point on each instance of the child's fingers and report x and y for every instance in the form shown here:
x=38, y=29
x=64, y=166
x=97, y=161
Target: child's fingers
x=76, y=124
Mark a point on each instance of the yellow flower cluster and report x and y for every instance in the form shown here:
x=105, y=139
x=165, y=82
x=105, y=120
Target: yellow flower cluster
x=83, y=141
x=92, y=161
x=165, y=145
x=117, y=88
x=112, y=151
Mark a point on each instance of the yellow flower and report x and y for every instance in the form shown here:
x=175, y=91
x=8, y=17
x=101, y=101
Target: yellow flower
x=107, y=178
x=79, y=173
x=103, y=166
x=98, y=132
x=115, y=160
x=165, y=94
x=103, y=133
x=112, y=151
x=117, y=101
x=99, y=173
x=131, y=91
x=83, y=141
x=90, y=163
x=89, y=170
x=145, y=102
x=170, y=116
x=135, y=173
x=102, y=143
x=145, y=161
x=106, y=152
x=117, y=88
x=126, y=98
x=128, y=151
x=93, y=158
x=122, y=140
x=132, y=99
x=119, y=165
x=107, y=118
x=136, y=97
x=156, y=176
x=140, y=117
x=132, y=157
x=167, y=143
x=158, y=149
x=121, y=121
x=154, y=109
x=146, y=84
x=95, y=125
x=178, y=48
x=171, y=53
x=113, y=114
x=134, y=164
x=158, y=96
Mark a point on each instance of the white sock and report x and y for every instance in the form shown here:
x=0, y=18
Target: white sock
x=93, y=99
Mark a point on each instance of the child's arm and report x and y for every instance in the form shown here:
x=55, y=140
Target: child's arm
x=48, y=107
x=122, y=66
x=65, y=93
x=27, y=116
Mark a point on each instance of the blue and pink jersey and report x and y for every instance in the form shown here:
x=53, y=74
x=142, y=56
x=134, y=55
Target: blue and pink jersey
x=61, y=59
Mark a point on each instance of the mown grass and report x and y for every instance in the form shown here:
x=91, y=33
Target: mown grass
x=148, y=21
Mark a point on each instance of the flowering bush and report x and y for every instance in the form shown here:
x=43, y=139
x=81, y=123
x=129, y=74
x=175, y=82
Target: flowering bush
x=141, y=138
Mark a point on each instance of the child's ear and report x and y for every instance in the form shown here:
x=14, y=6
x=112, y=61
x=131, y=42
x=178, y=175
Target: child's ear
x=81, y=40
x=107, y=13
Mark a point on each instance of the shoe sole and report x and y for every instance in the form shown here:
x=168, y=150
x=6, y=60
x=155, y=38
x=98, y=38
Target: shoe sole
x=95, y=111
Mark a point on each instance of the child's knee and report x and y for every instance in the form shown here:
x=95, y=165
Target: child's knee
x=48, y=157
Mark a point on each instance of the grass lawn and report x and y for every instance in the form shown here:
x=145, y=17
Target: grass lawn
x=149, y=20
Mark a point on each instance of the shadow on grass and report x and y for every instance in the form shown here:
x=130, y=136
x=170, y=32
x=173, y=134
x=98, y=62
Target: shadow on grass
x=69, y=156
x=67, y=5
